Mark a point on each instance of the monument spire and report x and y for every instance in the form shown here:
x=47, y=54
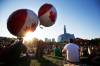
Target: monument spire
x=64, y=29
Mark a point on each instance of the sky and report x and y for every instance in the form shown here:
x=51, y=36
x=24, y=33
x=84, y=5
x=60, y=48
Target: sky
x=81, y=17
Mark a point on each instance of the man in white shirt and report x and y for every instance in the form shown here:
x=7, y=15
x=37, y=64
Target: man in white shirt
x=72, y=52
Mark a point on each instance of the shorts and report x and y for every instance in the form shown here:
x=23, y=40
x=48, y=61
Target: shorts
x=76, y=63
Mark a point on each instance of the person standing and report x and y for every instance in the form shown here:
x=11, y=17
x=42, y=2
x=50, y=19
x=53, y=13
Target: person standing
x=72, y=51
x=57, y=51
x=12, y=54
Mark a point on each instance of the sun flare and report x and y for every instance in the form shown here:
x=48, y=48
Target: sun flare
x=28, y=36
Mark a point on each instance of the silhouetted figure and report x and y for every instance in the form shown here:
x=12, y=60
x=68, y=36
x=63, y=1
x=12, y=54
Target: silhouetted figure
x=40, y=50
x=85, y=52
x=94, y=57
x=11, y=54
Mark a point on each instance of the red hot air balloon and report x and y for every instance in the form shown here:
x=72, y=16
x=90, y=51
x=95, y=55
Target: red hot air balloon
x=22, y=21
x=47, y=15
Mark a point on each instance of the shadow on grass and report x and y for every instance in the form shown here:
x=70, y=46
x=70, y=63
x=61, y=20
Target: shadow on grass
x=45, y=62
x=24, y=61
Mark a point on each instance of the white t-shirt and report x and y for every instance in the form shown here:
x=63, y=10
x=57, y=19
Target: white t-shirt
x=72, y=52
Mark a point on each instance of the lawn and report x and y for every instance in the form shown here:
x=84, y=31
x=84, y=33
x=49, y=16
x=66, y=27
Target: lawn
x=44, y=61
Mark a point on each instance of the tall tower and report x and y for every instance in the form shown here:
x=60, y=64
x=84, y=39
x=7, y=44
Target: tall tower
x=64, y=29
x=66, y=36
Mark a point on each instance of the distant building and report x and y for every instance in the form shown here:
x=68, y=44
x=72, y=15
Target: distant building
x=66, y=36
x=53, y=40
x=50, y=40
x=47, y=40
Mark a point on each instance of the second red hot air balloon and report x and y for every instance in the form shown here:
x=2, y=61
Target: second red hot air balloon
x=47, y=15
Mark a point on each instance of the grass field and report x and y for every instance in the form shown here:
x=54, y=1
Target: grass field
x=44, y=61
x=51, y=61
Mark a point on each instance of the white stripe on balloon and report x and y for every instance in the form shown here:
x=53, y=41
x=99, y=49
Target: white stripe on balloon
x=31, y=18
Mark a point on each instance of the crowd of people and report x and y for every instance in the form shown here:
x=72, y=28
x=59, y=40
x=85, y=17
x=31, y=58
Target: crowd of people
x=72, y=53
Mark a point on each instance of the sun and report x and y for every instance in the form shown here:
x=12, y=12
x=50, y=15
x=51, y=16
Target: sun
x=28, y=36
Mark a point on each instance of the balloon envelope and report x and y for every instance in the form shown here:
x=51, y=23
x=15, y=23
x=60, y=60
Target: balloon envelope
x=47, y=15
x=22, y=21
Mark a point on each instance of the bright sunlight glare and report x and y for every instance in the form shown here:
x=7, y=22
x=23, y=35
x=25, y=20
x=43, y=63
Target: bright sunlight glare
x=28, y=36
